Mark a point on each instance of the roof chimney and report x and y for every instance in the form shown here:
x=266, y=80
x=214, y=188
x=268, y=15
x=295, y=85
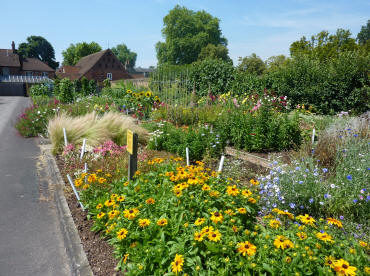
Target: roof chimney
x=13, y=46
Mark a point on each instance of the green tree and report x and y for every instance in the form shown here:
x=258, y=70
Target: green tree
x=79, y=50
x=186, y=33
x=324, y=46
x=214, y=52
x=38, y=47
x=274, y=63
x=124, y=55
x=364, y=35
x=252, y=64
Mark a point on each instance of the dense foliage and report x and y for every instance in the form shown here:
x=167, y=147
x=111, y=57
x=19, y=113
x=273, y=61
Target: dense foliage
x=186, y=33
x=124, y=55
x=38, y=47
x=75, y=52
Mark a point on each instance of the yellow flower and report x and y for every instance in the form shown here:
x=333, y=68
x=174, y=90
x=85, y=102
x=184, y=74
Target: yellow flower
x=230, y=212
x=112, y=214
x=288, y=259
x=109, y=202
x=214, y=236
x=78, y=182
x=100, y=215
x=214, y=193
x=99, y=206
x=246, y=193
x=232, y=190
x=162, y=222
x=206, y=230
x=186, y=224
x=282, y=242
x=102, y=180
x=333, y=221
x=306, y=219
x=177, y=263
x=367, y=270
x=198, y=236
x=199, y=221
x=252, y=200
x=274, y=223
x=254, y=182
x=242, y=210
x=122, y=233
x=363, y=244
x=125, y=184
x=206, y=187
x=150, y=201
x=125, y=258
x=130, y=213
x=247, y=248
x=324, y=237
x=235, y=229
x=144, y=222
x=302, y=235
x=120, y=198
x=342, y=267
x=216, y=217
x=86, y=186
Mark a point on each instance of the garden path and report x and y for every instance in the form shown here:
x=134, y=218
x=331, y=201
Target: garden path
x=31, y=242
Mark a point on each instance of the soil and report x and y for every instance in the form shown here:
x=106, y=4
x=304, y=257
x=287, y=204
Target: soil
x=98, y=251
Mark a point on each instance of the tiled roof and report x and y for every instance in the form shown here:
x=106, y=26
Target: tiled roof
x=8, y=58
x=34, y=64
x=86, y=63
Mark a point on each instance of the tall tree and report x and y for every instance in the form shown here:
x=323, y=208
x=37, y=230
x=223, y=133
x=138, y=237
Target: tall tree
x=75, y=52
x=364, y=35
x=186, y=33
x=274, y=63
x=252, y=64
x=324, y=46
x=38, y=47
x=214, y=52
x=124, y=55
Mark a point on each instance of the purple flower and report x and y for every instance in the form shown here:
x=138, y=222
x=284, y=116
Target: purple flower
x=325, y=170
x=355, y=135
x=322, y=231
x=300, y=182
x=367, y=198
x=349, y=177
x=327, y=196
x=341, y=217
x=292, y=205
x=311, y=200
x=355, y=201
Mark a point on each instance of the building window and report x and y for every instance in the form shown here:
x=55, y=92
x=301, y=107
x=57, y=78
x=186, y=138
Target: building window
x=44, y=74
x=109, y=76
x=29, y=73
x=6, y=71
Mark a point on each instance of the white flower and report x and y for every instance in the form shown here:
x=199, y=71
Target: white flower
x=332, y=186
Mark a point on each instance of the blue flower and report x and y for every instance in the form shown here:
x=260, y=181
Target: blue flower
x=297, y=168
x=307, y=170
x=311, y=200
x=355, y=135
x=355, y=201
x=300, y=182
x=367, y=198
x=322, y=231
x=325, y=170
x=341, y=217
x=302, y=207
x=326, y=196
x=349, y=177
x=292, y=205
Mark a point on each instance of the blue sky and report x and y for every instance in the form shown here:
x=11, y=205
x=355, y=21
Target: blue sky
x=265, y=27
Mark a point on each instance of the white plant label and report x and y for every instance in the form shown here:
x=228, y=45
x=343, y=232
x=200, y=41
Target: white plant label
x=313, y=136
x=221, y=163
x=75, y=191
x=187, y=157
x=65, y=137
x=83, y=148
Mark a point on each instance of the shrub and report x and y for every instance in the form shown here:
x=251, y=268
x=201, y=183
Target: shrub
x=65, y=91
x=213, y=76
x=200, y=140
x=44, y=89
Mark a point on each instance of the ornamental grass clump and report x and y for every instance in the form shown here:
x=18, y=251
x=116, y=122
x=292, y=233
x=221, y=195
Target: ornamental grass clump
x=96, y=129
x=179, y=219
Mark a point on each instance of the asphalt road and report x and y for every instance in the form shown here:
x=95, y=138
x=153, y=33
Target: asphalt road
x=31, y=242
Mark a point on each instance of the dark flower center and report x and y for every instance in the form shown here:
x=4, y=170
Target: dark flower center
x=344, y=266
x=131, y=211
x=246, y=246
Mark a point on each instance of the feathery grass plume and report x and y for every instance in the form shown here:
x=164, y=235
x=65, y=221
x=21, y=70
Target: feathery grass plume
x=96, y=129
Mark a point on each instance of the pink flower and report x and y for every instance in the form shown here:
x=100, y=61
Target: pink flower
x=235, y=101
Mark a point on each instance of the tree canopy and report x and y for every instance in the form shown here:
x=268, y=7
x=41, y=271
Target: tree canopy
x=323, y=45
x=252, y=64
x=125, y=55
x=364, y=35
x=38, y=47
x=79, y=50
x=186, y=33
x=214, y=52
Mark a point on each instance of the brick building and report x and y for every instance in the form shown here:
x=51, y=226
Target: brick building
x=98, y=66
x=12, y=64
